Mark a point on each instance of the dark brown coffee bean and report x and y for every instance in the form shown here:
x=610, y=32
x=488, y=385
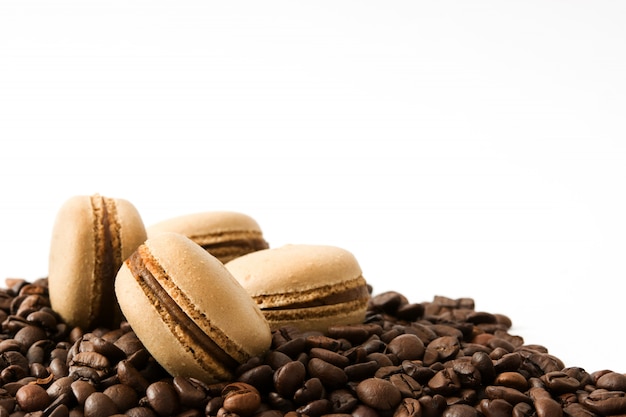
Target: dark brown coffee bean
x=82, y=390
x=330, y=375
x=191, y=393
x=407, y=347
x=512, y=380
x=605, y=402
x=510, y=395
x=99, y=405
x=495, y=408
x=460, y=410
x=315, y=408
x=343, y=401
x=213, y=406
x=441, y=349
x=141, y=412
x=612, y=381
x=380, y=358
x=547, y=407
x=108, y=349
x=128, y=375
x=523, y=410
x=330, y=357
x=241, y=399
x=311, y=390
x=387, y=302
x=571, y=410
x=261, y=377
x=293, y=347
x=558, y=382
x=407, y=386
x=162, y=398
x=32, y=397
x=379, y=394
x=360, y=371
x=59, y=387
x=445, y=382
x=289, y=378
x=323, y=342
x=432, y=406
x=277, y=359
x=129, y=343
x=123, y=396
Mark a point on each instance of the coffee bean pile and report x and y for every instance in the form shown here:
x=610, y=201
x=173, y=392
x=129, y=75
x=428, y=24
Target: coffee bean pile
x=439, y=358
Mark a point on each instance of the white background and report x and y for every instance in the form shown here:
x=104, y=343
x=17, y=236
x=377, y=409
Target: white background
x=464, y=149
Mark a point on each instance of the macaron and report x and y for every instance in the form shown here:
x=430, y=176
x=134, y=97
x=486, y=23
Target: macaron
x=224, y=234
x=311, y=287
x=189, y=312
x=91, y=237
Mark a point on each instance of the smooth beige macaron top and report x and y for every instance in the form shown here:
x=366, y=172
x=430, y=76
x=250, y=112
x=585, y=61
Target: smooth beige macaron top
x=91, y=237
x=188, y=310
x=310, y=286
x=224, y=234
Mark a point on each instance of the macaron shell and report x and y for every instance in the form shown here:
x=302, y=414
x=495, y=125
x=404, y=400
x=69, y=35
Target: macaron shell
x=210, y=226
x=171, y=352
x=294, y=269
x=208, y=295
x=224, y=234
x=75, y=286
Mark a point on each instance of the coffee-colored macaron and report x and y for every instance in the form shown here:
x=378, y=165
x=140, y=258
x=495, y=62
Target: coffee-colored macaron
x=311, y=287
x=224, y=234
x=91, y=237
x=187, y=309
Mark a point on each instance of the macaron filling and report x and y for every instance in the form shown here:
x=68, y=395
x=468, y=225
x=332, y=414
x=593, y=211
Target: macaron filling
x=229, y=249
x=348, y=295
x=108, y=254
x=174, y=316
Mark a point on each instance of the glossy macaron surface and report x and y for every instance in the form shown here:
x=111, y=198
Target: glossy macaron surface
x=188, y=310
x=91, y=237
x=309, y=286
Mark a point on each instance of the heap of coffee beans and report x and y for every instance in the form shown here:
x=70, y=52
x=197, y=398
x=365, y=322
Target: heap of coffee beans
x=439, y=358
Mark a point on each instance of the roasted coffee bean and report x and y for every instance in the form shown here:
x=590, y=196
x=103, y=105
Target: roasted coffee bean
x=460, y=410
x=343, y=401
x=432, y=406
x=360, y=371
x=162, y=398
x=510, y=395
x=99, y=405
x=407, y=386
x=289, y=378
x=128, y=375
x=333, y=358
x=141, y=412
x=241, y=399
x=32, y=397
x=311, y=390
x=441, y=349
x=81, y=390
x=277, y=359
x=261, y=376
x=512, y=380
x=612, y=381
x=558, y=382
x=379, y=394
x=445, y=382
x=315, y=408
x=123, y=396
x=190, y=391
x=330, y=375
